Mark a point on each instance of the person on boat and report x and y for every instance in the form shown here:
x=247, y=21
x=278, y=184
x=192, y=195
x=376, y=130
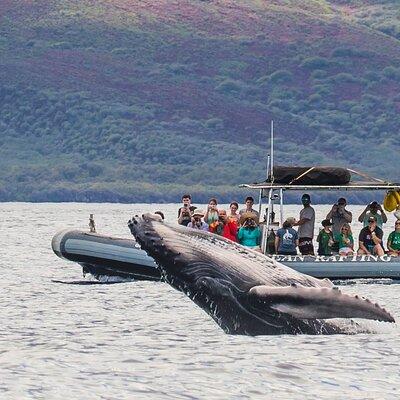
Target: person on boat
x=184, y=212
x=345, y=240
x=233, y=214
x=196, y=222
x=373, y=209
x=370, y=238
x=306, y=226
x=397, y=212
x=249, y=202
x=211, y=214
x=92, y=224
x=249, y=233
x=224, y=226
x=325, y=239
x=339, y=215
x=393, y=242
x=286, y=239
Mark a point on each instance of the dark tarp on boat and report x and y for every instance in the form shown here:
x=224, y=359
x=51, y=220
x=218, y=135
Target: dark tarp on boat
x=311, y=175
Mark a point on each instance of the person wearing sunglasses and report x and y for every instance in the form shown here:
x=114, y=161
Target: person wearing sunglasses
x=370, y=239
x=345, y=240
x=393, y=242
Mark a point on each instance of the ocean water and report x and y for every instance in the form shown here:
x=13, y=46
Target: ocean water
x=141, y=340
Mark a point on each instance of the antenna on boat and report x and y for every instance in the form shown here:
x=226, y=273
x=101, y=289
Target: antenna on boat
x=271, y=173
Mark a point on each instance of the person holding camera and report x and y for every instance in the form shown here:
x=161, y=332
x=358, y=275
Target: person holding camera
x=196, y=222
x=339, y=216
x=184, y=213
x=211, y=214
x=249, y=234
x=370, y=239
x=375, y=210
x=224, y=226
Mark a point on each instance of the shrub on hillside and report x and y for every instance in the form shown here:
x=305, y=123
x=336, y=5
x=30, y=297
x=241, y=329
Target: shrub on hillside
x=229, y=86
x=313, y=63
x=323, y=90
x=318, y=74
x=214, y=123
x=345, y=77
x=392, y=73
x=280, y=76
x=351, y=52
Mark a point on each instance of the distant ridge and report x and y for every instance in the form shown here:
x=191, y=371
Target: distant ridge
x=127, y=101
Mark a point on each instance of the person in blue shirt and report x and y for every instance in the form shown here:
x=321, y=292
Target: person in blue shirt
x=286, y=239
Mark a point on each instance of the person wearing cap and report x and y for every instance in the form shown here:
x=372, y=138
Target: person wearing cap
x=224, y=226
x=370, y=239
x=306, y=226
x=184, y=212
x=325, y=239
x=196, y=222
x=249, y=233
x=393, y=242
x=249, y=202
x=286, y=239
x=373, y=209
x=339, y=215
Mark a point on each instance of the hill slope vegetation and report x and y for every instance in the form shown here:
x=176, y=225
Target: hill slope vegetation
x=140, y=101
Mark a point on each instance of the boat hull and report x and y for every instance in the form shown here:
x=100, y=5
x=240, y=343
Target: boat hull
x=105, y=255
x=116, y=257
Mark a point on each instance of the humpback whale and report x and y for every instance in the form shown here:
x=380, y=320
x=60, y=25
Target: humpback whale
x=244, y=291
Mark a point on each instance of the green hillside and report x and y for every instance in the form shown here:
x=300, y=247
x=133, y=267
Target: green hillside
x=141, y=101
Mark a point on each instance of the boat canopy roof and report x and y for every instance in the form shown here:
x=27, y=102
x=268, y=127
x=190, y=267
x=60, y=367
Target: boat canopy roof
x=320, y=178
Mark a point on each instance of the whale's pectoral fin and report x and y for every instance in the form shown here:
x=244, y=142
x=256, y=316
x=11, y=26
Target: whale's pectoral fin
x=317, y=303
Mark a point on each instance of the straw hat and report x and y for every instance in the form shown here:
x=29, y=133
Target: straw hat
x=198, y=213
x=247, y=215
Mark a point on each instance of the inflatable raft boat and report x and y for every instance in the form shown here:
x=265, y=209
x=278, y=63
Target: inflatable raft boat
x=115, y=257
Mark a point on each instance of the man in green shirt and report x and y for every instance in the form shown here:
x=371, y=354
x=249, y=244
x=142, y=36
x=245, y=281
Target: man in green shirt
x=393, y=242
